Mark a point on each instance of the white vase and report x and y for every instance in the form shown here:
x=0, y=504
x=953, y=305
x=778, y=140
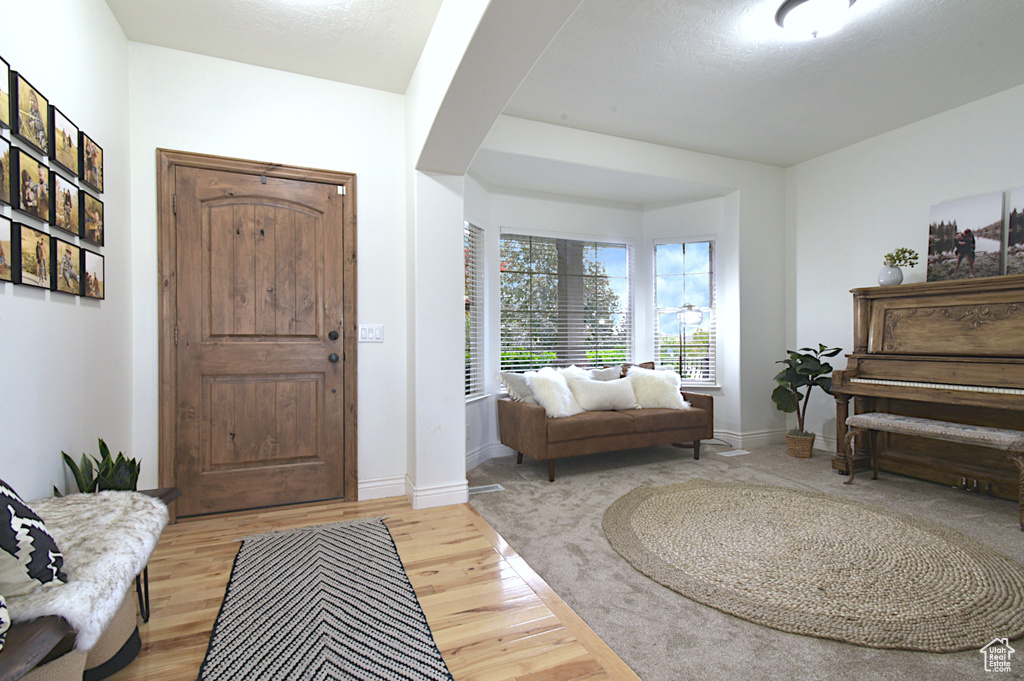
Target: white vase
x=890, y=276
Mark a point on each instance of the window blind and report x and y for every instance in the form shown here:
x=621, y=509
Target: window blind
x=684, y=275
x=565, y=302
x=473, y=239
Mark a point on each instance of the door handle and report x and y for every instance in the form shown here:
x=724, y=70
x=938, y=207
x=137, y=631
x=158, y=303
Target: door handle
x=333, y=358
x=333, y=335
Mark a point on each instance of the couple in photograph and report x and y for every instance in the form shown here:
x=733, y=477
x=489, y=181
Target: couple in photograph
x=964, y=244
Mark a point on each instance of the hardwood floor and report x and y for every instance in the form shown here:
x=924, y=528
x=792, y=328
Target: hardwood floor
x=493, y=618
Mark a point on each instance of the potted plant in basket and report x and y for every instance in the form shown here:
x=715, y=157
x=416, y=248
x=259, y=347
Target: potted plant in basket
x=804, y=370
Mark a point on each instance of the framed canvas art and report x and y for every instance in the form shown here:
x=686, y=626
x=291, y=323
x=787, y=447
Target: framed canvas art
x=31, y=114
x=63, y=142
x=5, y=249
x=965, y=238
x=92, y=272
x=1015, y=236
x=65, y=275
x=5, y=94
x=90, y=216
x=5, y=172
x=90, y=164
x=31, y=180
x=31, y=257
x=64, y=203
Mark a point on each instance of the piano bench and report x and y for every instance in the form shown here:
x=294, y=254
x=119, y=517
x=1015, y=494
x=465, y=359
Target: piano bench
x=998, y=438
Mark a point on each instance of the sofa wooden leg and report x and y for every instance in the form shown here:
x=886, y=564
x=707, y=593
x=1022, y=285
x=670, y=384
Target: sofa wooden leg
x=551, y=470
x=519, y=457
x=696, y=449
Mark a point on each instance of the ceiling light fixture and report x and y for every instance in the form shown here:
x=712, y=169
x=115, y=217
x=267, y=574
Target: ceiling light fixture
x=813, y=17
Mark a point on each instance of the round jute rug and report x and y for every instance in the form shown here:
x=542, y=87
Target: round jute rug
x=820, y=565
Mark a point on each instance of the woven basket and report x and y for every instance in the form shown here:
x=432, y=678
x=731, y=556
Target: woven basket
x=800, y=446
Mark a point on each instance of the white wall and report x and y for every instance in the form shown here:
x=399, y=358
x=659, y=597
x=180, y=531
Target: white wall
x=200, y=104
x=847, y=209
x=68, y=360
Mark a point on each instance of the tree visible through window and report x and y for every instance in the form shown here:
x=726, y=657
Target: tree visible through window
x=684, y=276
x=564, y=302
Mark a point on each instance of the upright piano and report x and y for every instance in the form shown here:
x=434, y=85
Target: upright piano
x=947, y=350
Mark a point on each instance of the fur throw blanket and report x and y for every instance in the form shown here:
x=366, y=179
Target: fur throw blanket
x=106, y=539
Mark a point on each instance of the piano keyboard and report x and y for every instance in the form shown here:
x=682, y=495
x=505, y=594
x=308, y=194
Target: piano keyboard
x=941, y=386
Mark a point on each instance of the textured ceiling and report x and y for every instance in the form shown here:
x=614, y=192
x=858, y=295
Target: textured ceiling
x=719, y=76
x=373, y=43
x=716, y=76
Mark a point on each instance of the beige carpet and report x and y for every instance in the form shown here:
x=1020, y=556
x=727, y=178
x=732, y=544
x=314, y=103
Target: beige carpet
x=664, y=636
x=819, y=565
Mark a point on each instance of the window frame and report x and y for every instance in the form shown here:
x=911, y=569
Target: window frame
x=472, y=235
x=629, y=313
x=710, y=311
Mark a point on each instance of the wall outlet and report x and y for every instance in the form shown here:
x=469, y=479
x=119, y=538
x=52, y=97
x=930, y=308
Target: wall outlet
x=371, y=333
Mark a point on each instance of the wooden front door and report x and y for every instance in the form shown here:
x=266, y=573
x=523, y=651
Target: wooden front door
x=263, y=410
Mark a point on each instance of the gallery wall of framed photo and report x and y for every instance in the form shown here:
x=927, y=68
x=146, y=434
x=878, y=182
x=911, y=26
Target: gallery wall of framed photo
x=52, y=228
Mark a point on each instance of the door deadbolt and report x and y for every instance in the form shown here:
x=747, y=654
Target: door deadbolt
x=333, y=357
x=333, y=335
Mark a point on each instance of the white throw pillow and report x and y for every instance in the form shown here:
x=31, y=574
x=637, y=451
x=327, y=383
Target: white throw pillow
x=656, y=389
x=609, y=374
x=603, y=395
x=575, y=372
x=552, y=392
x=517, y=387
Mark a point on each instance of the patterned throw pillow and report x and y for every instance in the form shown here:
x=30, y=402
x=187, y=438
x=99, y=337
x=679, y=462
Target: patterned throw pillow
x=28, y=555
x=5, y=621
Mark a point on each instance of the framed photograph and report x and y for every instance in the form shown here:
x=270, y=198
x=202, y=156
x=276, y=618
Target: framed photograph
x=90, y=214
x=5, y=249
x=90, y=164
x=66, y=261
x=65, y=275
x=965, y=238
x=5, y=94
x=5, y=172
x=92, y=275
x=31, y=256
x=63, y=142
x=31, y=181
x=64, y=204
x=1015, y=237
x=31, y=114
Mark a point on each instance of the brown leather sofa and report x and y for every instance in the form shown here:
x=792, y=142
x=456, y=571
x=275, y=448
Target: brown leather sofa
x=527, y=429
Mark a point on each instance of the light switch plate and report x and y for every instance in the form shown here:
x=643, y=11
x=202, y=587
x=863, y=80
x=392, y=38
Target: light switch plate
x=371, y=333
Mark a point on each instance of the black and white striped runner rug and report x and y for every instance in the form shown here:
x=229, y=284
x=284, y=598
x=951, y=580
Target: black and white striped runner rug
x=324, y=603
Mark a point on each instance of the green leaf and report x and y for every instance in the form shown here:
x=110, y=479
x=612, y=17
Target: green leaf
x=785, y=399
x=83, y=475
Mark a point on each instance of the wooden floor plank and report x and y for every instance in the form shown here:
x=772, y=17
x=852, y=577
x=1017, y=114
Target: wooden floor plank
x=492, y=617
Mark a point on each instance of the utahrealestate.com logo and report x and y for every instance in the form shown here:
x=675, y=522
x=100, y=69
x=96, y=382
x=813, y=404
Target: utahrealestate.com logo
x=997, y=655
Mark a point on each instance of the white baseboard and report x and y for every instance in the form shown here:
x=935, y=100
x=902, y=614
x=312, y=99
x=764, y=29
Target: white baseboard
x=436, y=495
x=484, y=454
x=379, y=488
x=757, y=438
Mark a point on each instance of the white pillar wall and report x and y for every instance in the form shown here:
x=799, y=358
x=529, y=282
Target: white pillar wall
x=436, y=470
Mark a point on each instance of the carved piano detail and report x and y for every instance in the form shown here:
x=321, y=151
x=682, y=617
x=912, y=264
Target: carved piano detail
x=952, y=351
